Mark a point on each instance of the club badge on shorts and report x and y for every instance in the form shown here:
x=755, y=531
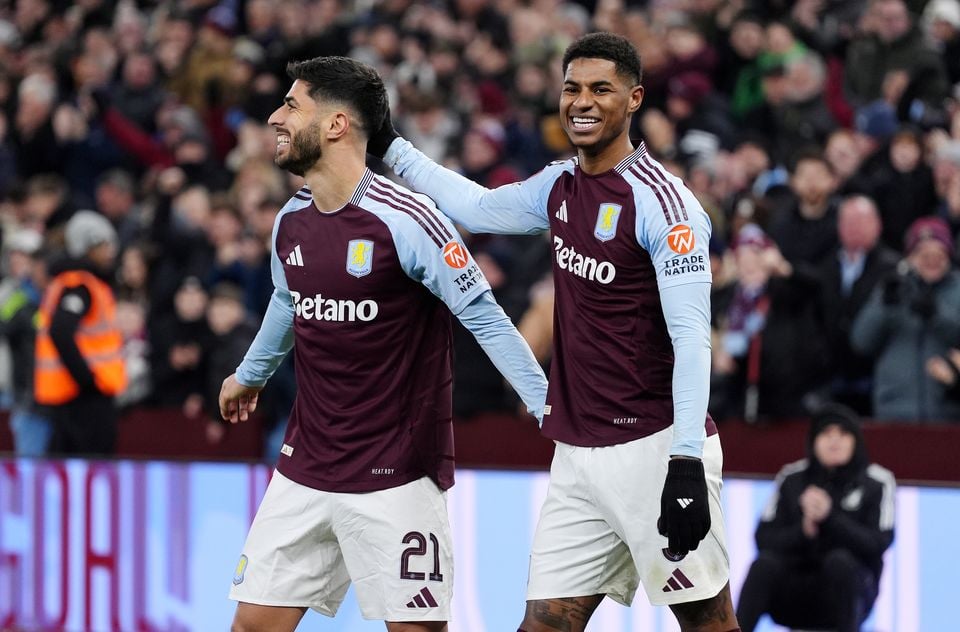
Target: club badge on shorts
x=241, y=569
x=607, y=218
x=359, y=257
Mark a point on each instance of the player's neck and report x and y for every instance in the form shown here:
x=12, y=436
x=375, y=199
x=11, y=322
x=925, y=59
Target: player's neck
x=594, y=162
x=334, y=179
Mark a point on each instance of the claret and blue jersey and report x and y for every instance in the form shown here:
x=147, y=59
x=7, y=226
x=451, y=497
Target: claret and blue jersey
x=632, y=276
x=367, y=293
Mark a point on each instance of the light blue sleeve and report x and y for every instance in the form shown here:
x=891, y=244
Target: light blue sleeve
x=680, y=250
x=686, y=308
x=448, y=271
x=680, y=253
x=507, y=349
x=519, y=208
x=275, y=338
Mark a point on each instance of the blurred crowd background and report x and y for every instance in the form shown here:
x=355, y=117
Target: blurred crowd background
x=822, y=137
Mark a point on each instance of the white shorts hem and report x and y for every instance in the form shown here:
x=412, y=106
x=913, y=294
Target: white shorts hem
x=620, y=598
x=318, y=608
x=685, y=596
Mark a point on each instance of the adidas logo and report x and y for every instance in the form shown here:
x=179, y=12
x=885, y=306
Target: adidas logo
x=684, y=502
x=423, y=599
x=677, y=581
x=295, y=258
x=562, y=213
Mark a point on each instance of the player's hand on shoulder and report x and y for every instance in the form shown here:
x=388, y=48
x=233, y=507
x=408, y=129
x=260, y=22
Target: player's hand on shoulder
x=237, y=402
x=684, y=505
x=381, y=139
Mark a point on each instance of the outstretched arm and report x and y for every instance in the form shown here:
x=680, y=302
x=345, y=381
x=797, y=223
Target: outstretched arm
x=507, y=349
x=518, y=208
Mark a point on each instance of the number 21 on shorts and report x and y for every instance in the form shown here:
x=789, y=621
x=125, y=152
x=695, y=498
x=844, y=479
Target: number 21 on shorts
x=418, y=548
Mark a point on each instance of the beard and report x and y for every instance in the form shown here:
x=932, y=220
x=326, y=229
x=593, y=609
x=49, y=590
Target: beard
x=304, y=152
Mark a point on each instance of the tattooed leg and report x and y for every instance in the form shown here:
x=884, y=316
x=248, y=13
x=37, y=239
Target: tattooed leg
x=709, y=615
x=569, y=614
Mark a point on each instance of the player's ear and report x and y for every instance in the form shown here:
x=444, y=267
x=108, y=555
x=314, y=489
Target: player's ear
x=338, y=125
x=636, y=98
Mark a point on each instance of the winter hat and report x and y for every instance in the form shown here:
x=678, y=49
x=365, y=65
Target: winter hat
x=834, y=415
x=877, y=120
x=928, y=228
x=945, y=10
x=86, y=230
x=25, y=240
x=691, y=86
x=751, y=235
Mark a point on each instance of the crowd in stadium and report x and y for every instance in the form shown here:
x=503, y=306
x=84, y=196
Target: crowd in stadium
x=822, y=137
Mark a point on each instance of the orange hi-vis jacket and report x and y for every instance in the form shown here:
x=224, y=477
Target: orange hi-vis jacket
x=97, y=337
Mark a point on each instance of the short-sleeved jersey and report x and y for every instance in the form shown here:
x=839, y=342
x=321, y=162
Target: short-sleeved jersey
x=618, y=238
x=370, y=286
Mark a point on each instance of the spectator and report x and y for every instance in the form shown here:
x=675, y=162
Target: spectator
x=822, y=537
x=132, y=323
x=20, y=294
x=946, y=179
x=178, y=342
x=912, y=317
x=116, y=200
x=740, y=73
x=703, y=126
x=139, y=94
x=32, y=132
x=805, y=226
x=769, y=355
x=902, y=186
x=846, y=157
x=847, y=278
x=232, y=334
x=892, y=47
x=941, y=19
x=79, y=362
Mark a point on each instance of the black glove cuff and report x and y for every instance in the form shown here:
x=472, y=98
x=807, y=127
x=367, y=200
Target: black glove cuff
x=685, y=468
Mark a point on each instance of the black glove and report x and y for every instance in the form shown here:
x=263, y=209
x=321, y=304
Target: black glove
x=684, y=507
x=924, y=304
x=381, y=138
x=891, y=289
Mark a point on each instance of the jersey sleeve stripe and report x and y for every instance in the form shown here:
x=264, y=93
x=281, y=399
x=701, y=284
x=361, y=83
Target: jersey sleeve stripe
x=392, y=204
x=659, y=187
x=362, y=187
x=414, y=202
x=663, y=204
x=657, y=169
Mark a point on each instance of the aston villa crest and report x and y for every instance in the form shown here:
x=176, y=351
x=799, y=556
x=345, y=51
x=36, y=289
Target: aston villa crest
x=359, y=257
x=607, y=218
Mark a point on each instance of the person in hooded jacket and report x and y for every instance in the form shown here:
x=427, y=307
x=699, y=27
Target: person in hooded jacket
x=822, y=536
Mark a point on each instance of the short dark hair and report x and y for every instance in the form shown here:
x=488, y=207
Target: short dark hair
x=348, y=81
x=608, y=46
x=809, y=153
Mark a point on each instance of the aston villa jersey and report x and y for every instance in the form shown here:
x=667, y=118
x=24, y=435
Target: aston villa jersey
x=623, y=241
x=367, y=292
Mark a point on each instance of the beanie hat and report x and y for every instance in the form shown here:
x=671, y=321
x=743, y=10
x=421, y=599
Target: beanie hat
x=834, y=415
x=928, y=228
x=877, y=120
x=751, y=235
x=86, y=230
x=25, y=240
x=691, y=86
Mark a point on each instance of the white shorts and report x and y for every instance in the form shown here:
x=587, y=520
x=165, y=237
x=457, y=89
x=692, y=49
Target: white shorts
x=305, y=546
x=597, y=533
